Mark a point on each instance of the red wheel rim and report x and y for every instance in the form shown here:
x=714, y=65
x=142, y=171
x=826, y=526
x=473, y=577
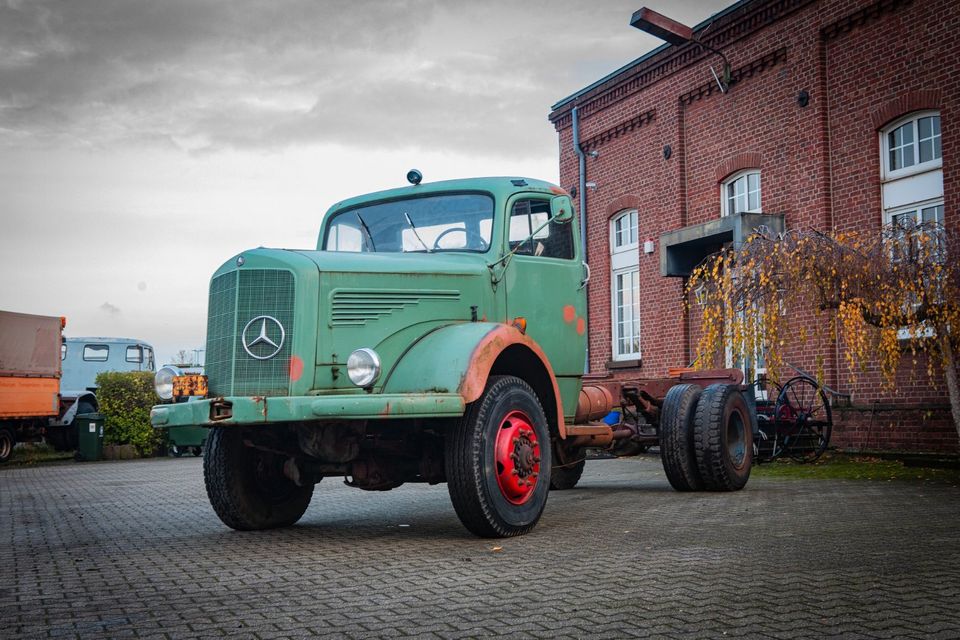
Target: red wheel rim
x=518, y=457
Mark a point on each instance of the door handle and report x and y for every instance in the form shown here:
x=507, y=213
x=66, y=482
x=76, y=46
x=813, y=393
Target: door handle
x=586, y=276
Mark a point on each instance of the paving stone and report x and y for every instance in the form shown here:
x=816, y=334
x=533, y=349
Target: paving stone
x=133, y=549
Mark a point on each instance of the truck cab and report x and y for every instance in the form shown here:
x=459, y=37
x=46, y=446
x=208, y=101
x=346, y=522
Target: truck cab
x=84, y=357
x=437, y=333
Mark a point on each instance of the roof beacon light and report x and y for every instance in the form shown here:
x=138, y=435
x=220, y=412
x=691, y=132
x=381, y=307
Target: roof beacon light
x=414, y=177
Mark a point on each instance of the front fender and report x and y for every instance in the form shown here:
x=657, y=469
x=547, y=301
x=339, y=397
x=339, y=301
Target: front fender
x=458, y=359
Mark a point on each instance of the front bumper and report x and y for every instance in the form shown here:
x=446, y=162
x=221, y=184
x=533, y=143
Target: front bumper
x=240, y=410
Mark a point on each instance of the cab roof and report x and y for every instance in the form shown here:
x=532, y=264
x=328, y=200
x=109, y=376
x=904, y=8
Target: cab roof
x=499, y=186
x=106, y=340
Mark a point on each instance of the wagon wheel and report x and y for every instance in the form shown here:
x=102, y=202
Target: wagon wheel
x=767, y=444
x=804, y=419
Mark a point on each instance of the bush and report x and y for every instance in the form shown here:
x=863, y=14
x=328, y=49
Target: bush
x=125, y=400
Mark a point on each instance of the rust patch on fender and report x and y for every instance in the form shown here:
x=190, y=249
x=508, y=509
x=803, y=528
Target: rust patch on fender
x=486, y=353
x=261, y=400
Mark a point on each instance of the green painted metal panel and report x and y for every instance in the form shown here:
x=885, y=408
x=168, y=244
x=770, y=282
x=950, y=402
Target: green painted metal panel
x=439, y=361
x=248, y=410
x=546, y=292
x=423, y=313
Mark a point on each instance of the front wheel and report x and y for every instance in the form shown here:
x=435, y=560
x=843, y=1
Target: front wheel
x=247, y=487
x=498, y=460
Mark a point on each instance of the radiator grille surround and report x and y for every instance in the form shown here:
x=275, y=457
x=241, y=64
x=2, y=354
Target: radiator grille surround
x=236, y=298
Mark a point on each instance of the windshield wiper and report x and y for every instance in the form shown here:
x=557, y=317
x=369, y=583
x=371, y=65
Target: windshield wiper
x=413, y=228
x=366, y=232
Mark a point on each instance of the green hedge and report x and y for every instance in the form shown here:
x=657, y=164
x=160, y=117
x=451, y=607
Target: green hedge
x=125, y=399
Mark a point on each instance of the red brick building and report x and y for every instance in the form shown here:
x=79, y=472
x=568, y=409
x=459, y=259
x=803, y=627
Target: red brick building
x=840, y=114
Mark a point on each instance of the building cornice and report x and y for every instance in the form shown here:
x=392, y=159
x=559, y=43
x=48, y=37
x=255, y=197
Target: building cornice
x=737, y=75
x=861, y=17
x=618, y=130
x=743, y=21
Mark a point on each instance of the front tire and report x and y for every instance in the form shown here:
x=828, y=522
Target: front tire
x=246, y=486
x=498, y=460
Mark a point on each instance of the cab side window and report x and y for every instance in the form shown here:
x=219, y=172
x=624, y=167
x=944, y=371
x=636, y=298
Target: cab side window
x=551, y=241
x=96, y=352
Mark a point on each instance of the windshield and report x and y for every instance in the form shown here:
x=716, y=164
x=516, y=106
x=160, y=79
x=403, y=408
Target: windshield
x=447, y=222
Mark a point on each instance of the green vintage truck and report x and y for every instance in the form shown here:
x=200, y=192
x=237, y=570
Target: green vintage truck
x=436, y=334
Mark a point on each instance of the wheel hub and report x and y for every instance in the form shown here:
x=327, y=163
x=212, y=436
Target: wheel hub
x=517, y=457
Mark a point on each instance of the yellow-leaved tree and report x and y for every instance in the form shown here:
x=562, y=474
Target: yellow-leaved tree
x=883, y=293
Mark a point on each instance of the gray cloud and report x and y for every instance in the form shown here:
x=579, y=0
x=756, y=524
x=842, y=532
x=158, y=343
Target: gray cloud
x=109, y=309
x=257, y=74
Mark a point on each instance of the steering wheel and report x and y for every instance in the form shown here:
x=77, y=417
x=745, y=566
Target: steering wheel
x=463, y=230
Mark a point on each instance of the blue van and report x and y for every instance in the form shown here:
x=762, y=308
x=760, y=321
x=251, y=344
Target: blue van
x=84, y=358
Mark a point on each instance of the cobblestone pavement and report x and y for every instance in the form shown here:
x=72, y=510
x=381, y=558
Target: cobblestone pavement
x=132, y=549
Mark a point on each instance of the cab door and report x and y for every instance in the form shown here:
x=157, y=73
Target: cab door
x=543, y=284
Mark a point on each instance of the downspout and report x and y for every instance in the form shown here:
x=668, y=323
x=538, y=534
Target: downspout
x=582, y=192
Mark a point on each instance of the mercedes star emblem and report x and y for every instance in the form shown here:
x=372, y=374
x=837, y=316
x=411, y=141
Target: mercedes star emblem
x=267, y=342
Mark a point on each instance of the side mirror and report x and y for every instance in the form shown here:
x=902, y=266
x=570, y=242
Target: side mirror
x=561, y=209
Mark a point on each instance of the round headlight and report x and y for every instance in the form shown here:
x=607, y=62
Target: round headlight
x=163, y=381
x=363, y=367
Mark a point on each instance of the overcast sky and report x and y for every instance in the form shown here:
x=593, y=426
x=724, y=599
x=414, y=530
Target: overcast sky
x=142, y=143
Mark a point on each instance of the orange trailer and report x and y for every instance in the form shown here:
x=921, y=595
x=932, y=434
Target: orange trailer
x=29, y=376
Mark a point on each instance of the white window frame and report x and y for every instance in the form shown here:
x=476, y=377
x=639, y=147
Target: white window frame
x=911, y=189
x=625, y=263
x=725, y=209
x=886, y=173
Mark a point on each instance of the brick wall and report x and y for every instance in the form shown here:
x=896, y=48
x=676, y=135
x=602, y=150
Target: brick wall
x=863, y=63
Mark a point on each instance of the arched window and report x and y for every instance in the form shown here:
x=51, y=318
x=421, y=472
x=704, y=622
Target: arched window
x=741, y=193
x=912, y=169
x=912, y=145
x=625, y=285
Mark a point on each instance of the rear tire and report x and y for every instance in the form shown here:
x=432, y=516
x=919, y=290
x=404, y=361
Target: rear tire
x=566, y=472
x=498, y=460
x=676, y=437
x=723, y=438
x=7, y=440
x=246, y=486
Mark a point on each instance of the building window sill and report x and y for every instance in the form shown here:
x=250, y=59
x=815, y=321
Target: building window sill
x=624, y=364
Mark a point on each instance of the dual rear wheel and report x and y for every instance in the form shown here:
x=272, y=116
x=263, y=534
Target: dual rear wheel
x=706, y=438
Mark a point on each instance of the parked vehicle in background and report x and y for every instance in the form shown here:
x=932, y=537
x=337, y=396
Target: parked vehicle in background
x=84, y=358
x=32, y=405
x=187, y=439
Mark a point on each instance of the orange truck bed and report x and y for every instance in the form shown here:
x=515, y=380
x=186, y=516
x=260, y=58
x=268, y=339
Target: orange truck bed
x=29, y=365
x=29, y=397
